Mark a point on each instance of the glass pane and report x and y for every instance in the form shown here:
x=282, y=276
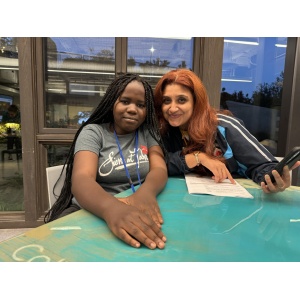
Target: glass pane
x=11, y=178
x=154, y=57
x=252, y=80
x=57, y=154
x=77, y=75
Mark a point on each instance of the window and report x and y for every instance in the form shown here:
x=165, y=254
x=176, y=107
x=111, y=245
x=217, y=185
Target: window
x=11, y=177
x=153, y=57
x=252, y=82
x=79, y=70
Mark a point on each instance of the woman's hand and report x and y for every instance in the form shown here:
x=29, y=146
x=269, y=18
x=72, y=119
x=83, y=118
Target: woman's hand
x=144, y=199
x=296, y=165
x=280, y=184
x=133, y=226
x=217, y=167
x=147, y=204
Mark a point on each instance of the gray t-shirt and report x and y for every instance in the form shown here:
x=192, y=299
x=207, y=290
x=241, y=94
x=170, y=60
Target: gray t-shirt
x=111, y=174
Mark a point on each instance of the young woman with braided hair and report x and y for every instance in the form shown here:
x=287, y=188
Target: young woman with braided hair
x=117, y=148
x=200, y=139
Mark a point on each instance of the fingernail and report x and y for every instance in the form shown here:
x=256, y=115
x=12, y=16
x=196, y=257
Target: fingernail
x=161, y=245
x=164, y=238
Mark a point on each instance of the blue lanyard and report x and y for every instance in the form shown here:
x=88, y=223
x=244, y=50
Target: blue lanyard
x=136, y=158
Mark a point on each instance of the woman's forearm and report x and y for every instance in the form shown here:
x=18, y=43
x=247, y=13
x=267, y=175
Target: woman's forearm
x=91, y=196
x=155, y=181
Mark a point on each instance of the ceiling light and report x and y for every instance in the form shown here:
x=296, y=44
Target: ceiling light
x=242, y=42
x=280, y=45
x=236, y=80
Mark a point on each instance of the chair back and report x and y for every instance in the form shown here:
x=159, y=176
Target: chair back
x=53, y=174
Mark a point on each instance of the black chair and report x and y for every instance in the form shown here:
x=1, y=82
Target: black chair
x=14, y=146
x=18, y=153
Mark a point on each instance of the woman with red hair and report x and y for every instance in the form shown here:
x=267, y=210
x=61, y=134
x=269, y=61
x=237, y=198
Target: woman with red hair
x=200, y=139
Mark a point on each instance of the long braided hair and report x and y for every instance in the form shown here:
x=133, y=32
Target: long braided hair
x=104, y=114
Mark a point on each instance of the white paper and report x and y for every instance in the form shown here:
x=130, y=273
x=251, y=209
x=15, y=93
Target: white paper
x=206, y=185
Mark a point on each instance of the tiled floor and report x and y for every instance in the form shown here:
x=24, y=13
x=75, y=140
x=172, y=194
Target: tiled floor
x=6, y=234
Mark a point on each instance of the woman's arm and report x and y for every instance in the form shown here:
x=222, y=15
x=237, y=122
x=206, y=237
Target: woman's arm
x=126, y=222
x=157, y=177
x=145, y=196
x=177, y=164
x=252, y=157
x=218, y=168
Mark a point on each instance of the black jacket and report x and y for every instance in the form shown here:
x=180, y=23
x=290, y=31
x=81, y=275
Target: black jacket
x=245, y=156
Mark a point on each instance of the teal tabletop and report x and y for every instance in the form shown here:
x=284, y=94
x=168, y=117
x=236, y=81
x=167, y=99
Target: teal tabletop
x=199, y=228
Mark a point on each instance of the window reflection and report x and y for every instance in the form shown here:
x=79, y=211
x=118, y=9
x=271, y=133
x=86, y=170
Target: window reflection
x=78, y=73
x=11, y=176
x=57, y=154
x=153, y=57
x=252, y=80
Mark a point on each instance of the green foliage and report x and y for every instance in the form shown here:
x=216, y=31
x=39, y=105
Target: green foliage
x=156, y=62
x=269, y=95
x=182, y=65
x=265, y=95
x=131, y=61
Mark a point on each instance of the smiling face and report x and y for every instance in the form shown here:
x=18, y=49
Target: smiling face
x=178, y=105
x=130, y=108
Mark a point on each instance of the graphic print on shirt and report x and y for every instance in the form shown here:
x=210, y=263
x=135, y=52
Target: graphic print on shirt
x=115, y=162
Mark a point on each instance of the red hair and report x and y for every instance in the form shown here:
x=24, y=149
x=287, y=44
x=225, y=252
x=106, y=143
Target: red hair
x=203, y=122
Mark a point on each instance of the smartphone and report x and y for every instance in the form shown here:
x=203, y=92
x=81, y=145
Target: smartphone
x=288, y=160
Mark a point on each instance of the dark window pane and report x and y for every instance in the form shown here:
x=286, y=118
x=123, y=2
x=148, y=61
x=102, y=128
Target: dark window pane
x=252, y=81
x=57, y=154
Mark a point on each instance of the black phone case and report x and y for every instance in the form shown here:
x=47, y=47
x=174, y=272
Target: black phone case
x=289, y=160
